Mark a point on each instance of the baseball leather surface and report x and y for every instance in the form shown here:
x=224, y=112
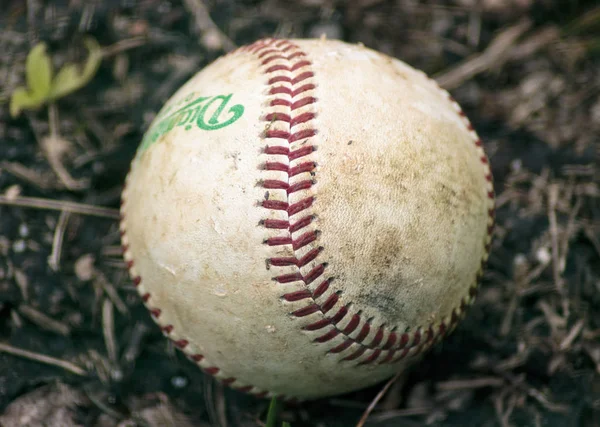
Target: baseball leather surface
x=306, y=217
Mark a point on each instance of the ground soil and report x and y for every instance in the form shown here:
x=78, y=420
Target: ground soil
x=526, y=72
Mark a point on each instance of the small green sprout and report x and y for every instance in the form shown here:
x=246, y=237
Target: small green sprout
x=272, y=415
x=43, y=88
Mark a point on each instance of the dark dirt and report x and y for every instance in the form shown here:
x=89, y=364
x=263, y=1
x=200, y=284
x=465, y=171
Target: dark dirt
x=526, y=72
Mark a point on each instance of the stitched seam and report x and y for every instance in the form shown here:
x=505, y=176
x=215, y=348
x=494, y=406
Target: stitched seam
x=387, y=345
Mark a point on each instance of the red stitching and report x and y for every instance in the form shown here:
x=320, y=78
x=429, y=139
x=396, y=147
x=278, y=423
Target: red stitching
x=304, y=240
x=282, y=117
x=390, y=341
x=301, y=168
x=283, y=57
x=276, y=133
x=317, y=325
x=361, y=350
x=330, y=302
x=301, y=223
x=328, y=336
x=283, y=102
x=285, y=261
x=273, y=117
x=404, y=338
x=274, y=184
x=301, y=185
x=341, y=347
x=213, y=370
x=275, y=223
x=276, y=166
x=291, y=137
x=281, y=67
x=372, y=358
x=285, y=79
x=303, y=102
x=363, y=332
x=309, y=309
x=278, y=241
x=322, y=288
x=267, y=52
x=287, y=278
x=181, y=344
x=284, y=42
x=377, y=338
x=275, y=204
x=314, y=274
x=280, y=89
x=297, y=296
x=300, y=206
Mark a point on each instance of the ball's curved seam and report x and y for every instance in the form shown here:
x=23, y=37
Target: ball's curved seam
x=288, y=73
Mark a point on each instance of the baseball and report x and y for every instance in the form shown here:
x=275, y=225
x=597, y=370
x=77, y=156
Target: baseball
x=305, y=218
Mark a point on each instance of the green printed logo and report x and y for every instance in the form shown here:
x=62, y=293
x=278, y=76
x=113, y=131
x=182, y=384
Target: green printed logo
x=206, y=112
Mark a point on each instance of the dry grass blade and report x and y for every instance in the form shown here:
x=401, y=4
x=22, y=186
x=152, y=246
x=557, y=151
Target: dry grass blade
x=34, y=178
x=43, y=321
x=60, y=205
x=42, y=358
x=572, y=335
x=470, y=384
x=57, y=241
x=212, y=37
x=376, y=400
x=492, y=57
x=108, y=330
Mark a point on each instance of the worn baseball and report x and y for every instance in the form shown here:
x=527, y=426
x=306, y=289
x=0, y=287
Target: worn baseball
x=306, y=217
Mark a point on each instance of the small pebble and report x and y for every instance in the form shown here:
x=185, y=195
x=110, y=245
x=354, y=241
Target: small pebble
x=179, y=381
x=19, y=246
x=23, y=230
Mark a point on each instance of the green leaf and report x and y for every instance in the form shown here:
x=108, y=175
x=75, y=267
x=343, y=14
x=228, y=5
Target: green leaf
x=20, y=100
x=38, y=73
x=69, y=78
x=272, y=415
x=285, y=424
